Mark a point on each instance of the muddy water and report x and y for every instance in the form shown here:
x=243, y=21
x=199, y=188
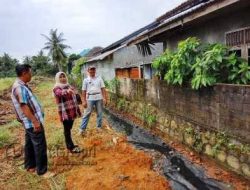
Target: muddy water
x=179, y=171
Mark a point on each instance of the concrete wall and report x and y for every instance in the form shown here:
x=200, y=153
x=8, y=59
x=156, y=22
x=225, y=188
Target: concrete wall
x=214, y=29
x=221, y=108
x=130, y=57
x=214, y=121
x=123, y=58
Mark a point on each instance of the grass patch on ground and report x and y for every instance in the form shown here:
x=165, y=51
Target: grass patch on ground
x=44, y=94
x=5, y=83
x=55, y=140
x=12, y=124
x=6, y=137
x=6, y=133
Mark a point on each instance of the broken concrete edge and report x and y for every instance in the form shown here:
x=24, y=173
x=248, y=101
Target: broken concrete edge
x=218, y=145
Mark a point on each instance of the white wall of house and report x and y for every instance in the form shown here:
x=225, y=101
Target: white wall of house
x=103, y=69
x=125, y=57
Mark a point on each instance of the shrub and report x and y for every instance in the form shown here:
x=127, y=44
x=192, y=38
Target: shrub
x=183, y=59
x=201, y=65
x=76, y=77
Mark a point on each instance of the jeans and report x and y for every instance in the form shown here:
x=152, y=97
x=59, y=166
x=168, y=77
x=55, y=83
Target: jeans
x=67, y=125
x=35, y=151
x=90, y=104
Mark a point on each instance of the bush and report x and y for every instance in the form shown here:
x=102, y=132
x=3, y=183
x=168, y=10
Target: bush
x=76, y=77
x=202, y=65
x=181, y=62
x=163, y=63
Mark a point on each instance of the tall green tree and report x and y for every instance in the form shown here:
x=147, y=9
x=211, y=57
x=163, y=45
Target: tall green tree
x=27, y=60
x=73, y=57
x=56, y=48
x=42, y=64
x=7, y=65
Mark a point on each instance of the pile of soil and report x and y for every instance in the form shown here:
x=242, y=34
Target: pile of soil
x=117, y=165
x=7, y=112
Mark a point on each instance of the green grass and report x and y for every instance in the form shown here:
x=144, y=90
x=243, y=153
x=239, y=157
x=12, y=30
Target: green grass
x=45, y=95
x=6, y=133
x=12, y=124
x=45, y=86
x=55, y=140
x=5, y=83
x=5, y=137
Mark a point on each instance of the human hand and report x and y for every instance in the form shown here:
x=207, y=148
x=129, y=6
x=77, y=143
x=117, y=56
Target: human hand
x=70, y=91
x=104, y=101
x=37, y=126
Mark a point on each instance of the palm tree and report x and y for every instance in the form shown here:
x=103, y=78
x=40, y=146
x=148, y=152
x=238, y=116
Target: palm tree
x=56, y=48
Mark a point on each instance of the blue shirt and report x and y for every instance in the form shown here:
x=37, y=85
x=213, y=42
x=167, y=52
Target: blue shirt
x=22, y=94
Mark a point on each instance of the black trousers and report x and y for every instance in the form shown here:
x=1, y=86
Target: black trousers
x=67, y=125
x=35, y=151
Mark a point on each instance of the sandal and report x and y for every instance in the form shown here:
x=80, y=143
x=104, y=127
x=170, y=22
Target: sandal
x=76, y=149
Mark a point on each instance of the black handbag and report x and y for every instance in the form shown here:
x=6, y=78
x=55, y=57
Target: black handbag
x=78, y=99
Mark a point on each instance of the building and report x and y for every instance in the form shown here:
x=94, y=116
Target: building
x=223, y=21
x=120, y=60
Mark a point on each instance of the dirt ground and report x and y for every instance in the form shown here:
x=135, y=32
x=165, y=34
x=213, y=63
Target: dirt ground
x=117, y=165
x=6, y=110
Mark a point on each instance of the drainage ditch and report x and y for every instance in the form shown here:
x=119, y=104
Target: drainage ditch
x=179, y=171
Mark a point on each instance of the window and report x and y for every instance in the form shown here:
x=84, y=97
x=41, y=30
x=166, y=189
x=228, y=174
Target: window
x=235, y=38
x=148, y=71
x=132, y=72
x=249, y=55
x=238, y=40
x=237, y=51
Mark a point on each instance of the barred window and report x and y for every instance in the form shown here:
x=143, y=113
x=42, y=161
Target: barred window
x=239, y=41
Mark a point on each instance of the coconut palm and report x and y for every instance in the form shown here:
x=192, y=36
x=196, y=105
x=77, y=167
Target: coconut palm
x=56, y=48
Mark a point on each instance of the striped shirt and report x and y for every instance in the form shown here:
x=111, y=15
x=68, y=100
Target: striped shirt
x=22, y=94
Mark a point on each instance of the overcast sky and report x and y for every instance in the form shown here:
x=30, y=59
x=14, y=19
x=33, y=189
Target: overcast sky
x=85, y=23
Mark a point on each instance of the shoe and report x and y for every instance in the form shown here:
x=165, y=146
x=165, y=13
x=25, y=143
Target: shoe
x=48, y=175
x=75, y=150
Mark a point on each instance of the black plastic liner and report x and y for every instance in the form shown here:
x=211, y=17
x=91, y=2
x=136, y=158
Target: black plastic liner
x=179, y=171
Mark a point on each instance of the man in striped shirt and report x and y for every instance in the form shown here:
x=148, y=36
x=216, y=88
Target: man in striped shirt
x=29, y=113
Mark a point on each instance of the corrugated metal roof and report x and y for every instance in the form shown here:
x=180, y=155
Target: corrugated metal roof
x=181, y=11
x=132, y=35
x=104, y=55
x=183, y=7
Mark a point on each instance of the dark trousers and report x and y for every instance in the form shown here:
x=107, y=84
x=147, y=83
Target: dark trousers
x=68, y=124
x=35, y=153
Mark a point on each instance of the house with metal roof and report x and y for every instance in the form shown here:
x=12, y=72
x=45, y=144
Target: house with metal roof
x=121, y=60
x=223, y=21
